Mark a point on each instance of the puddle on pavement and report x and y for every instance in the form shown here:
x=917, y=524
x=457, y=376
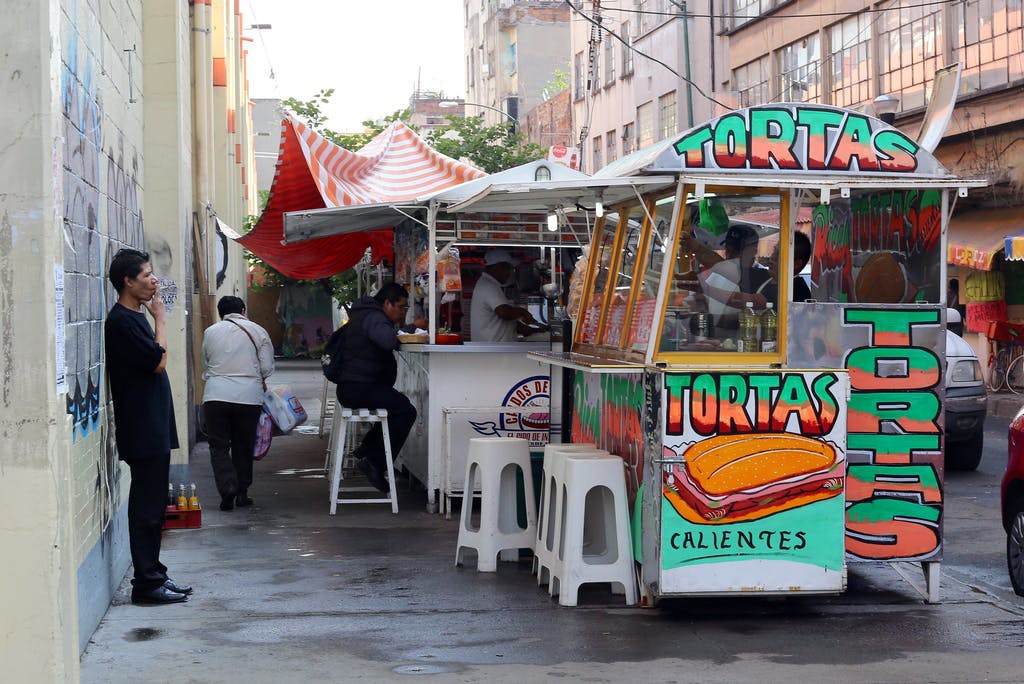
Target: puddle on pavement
x=142, y=634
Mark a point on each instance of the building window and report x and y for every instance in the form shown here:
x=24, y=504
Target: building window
x=850, y=60
x=596, y=159
x=610, y=141
x=667, y=115
x=645, y=124
x=910, y=51
x=609, y=60
x=628, y=133
x=748, y=10
x=578, y=74
x=627, y=49
x=989, y=43
x=595, y=77
x=751, y=81
x=800, y=71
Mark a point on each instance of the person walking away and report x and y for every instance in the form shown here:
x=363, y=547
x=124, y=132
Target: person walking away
x=144, y=427
x=238, y=357
x=369, y=373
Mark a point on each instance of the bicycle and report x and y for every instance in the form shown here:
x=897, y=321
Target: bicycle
x=1006, y=357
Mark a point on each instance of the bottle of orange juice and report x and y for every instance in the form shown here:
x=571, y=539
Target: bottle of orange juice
x=193, y=499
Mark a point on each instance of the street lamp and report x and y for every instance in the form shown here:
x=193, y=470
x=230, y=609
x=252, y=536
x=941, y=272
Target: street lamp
x=885, y=107
x=448, y=104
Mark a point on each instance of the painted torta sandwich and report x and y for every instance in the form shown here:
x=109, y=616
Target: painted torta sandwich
x=731, y=478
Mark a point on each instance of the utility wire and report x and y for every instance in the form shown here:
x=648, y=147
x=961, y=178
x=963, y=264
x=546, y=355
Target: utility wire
x=630, y=46
x=896, y=6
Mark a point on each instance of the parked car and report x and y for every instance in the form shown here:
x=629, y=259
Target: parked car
x=1013, y=504
x=966, y=399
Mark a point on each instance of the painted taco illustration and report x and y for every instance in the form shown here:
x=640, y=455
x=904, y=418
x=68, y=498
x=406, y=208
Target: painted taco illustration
x=732, y=478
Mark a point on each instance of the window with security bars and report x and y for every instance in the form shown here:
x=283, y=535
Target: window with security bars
x=910, y=42
x=744, y=11
x=667, y=115
x=799, y=71
x=610, y=140
x=751, y=81
x=989, y=42
x=596, y=161
x=850, y=60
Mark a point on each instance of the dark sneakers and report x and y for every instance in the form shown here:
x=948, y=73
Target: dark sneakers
x=243, y=500
x=375, y=476
x=159, y=595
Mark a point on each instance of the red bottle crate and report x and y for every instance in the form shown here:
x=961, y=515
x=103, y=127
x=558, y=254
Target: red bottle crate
x=177, y=519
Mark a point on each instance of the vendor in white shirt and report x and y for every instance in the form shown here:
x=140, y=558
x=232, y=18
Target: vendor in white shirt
x=493, y=317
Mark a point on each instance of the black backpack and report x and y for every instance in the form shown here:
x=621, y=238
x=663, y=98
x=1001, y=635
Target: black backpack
x=333, y=357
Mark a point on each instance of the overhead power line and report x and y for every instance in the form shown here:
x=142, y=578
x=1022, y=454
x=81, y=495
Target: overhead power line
x=895, y=7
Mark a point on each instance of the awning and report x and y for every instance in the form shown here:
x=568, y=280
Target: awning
x=1014, y=246
x=314, y=173
x=306, y=225
x=545, y=196
x=976, y=236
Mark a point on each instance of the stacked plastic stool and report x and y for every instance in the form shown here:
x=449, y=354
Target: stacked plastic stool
x=550, y=496
x=344, y=420
x=494, y=462
x=592, y=542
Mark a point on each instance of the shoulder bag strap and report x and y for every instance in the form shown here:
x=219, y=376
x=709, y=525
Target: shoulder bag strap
x=255, y=346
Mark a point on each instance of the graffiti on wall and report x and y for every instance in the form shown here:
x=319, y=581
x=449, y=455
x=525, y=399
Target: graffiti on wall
x=894, y=491
x=84, y=298
x=753, y=468
x=607, y=412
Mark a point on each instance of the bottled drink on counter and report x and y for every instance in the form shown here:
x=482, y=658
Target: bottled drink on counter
x=170, y=494
x=769, y=329
x=182, y=498
x=748, y=329
x=193, y=498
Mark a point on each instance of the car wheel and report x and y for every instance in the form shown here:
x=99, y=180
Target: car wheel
x=965, y=455
x=1015, y=552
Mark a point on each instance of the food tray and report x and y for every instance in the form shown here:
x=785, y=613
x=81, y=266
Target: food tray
x=410, y=338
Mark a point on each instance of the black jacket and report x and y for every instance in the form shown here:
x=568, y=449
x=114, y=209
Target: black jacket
x=369, y=345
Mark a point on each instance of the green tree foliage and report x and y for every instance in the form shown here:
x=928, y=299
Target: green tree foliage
x=490, y=148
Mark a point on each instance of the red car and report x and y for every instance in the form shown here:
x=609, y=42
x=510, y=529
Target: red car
x=1013, y=504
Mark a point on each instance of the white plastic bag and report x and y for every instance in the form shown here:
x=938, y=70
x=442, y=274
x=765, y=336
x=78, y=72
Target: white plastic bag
x=286, y=411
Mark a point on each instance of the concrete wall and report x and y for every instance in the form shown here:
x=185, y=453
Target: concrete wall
x=96, y=153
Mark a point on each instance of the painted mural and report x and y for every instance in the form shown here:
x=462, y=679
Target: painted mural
x=753, y=471
x=607, y=411
x=877, y=248
x=894, y=476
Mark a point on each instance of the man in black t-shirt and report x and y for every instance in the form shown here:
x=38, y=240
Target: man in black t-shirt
x=145, y=432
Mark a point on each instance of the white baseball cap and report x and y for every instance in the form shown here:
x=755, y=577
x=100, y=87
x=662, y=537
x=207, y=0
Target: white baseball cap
x=499, y=256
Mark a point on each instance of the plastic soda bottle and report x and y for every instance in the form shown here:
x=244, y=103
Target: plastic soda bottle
x=182, y=498
x=748, y=329
x=769, y=329
x=193, y=499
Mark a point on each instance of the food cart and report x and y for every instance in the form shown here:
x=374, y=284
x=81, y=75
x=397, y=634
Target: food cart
x=466, y=388
x=762, y=462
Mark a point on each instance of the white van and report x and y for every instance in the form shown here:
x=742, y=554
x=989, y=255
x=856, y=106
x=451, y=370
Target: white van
x=966, y=399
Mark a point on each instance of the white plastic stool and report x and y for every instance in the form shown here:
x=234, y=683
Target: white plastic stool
x=343, y=418
x=593, y=539
x=551, y=477
x=495, y=460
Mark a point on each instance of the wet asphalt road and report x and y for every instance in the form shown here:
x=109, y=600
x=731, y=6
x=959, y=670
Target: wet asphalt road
x=286, y=593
